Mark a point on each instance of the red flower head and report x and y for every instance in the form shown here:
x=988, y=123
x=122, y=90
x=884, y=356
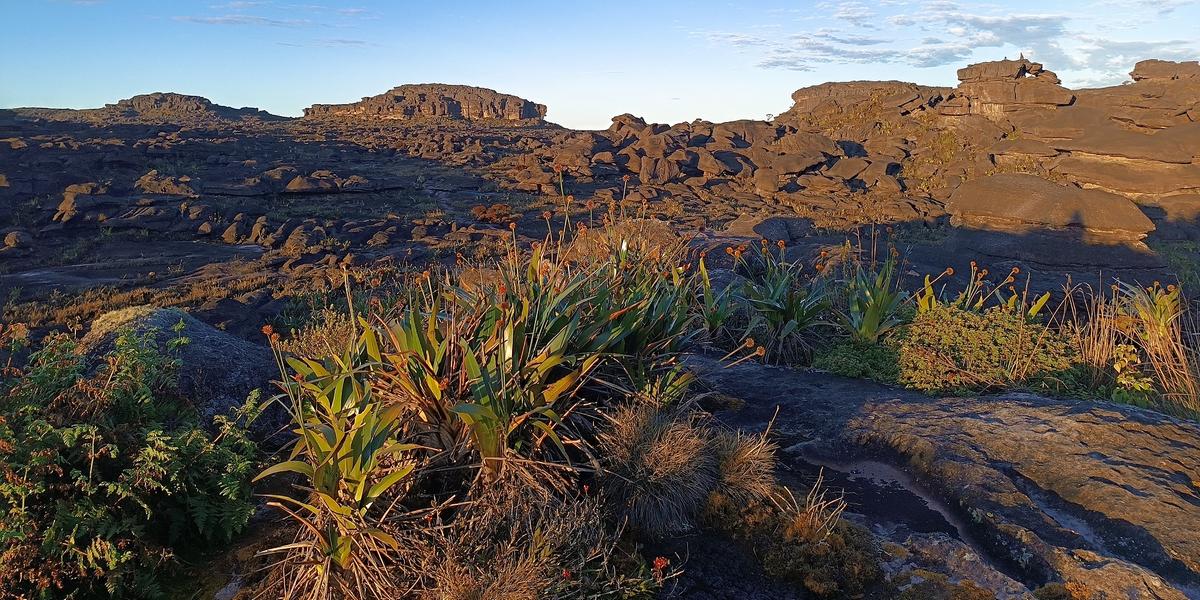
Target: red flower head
x=661, y=563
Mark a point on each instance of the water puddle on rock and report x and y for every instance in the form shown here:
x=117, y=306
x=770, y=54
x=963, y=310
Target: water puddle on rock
x=882, y=495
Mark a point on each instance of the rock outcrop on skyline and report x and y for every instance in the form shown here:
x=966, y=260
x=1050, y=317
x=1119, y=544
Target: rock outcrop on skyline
x=157, y=107
x=434, y=101
x=996, y=88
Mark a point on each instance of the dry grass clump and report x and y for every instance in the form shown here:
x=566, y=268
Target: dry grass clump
x=517, y=541
x=745, y=465
x=815, y=519
x=660, y=466
x=652, y=238
x=326, y=334
x=1140, y=345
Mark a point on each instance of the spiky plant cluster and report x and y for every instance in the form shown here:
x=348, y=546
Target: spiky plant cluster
x=420, y=446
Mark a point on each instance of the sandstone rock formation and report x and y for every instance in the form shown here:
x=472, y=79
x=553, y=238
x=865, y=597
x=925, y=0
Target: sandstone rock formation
x=1019, y=203
x=995, y=88
x=397, y=174
x=1084, y=493
x=434, y=101
x=156, y=107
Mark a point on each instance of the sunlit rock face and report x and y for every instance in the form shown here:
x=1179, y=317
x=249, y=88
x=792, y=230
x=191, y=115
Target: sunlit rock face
x=434, y=101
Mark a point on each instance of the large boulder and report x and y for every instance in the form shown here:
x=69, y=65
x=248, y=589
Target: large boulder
x=217, y=371
x=1165, y=69
x=1020, y=203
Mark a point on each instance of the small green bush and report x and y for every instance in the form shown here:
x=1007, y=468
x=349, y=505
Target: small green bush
x=104, y=475
x=861, y=360
x=947, y=349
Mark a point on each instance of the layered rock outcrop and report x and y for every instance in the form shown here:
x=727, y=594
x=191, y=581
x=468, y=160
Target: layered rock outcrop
x=1019, y=203
x=434, y=101
x=995, y=88
x=152, y=108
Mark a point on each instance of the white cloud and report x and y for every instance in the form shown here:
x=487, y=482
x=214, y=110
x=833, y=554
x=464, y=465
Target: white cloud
x=941, y=33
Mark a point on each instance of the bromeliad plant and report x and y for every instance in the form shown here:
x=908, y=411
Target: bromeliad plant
x=715, y=307
x=348, y=455
x=875, y=299
x=782, y=305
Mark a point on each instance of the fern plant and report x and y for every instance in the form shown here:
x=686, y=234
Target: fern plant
x=105, y=476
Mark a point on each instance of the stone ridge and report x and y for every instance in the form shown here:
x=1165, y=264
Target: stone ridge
x=155, y=107
x=434, y=101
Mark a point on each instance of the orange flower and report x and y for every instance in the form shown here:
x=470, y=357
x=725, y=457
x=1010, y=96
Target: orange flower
x=267, y=330
x=782, y=244
x=950, y=271
x=625, y=178
x=824, y=253
x=570, y=198
x=1016, y=270
x=661, y=563
x=298, y=378
x=546, y=215
x=512, y=226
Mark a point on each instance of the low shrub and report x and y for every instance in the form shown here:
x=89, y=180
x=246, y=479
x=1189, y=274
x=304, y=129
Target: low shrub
x=804, y=543
x=947, y=349
x=105, y=476
x=862, y=360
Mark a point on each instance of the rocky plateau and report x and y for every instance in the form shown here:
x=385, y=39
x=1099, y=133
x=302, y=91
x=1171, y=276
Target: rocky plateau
x=234, y=215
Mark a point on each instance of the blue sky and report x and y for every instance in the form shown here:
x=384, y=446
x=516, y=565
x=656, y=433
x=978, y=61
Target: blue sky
x=587, y=60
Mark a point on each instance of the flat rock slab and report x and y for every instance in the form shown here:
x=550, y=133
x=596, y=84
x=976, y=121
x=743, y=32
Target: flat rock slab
x=1021, y=202
x=1101, y=495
